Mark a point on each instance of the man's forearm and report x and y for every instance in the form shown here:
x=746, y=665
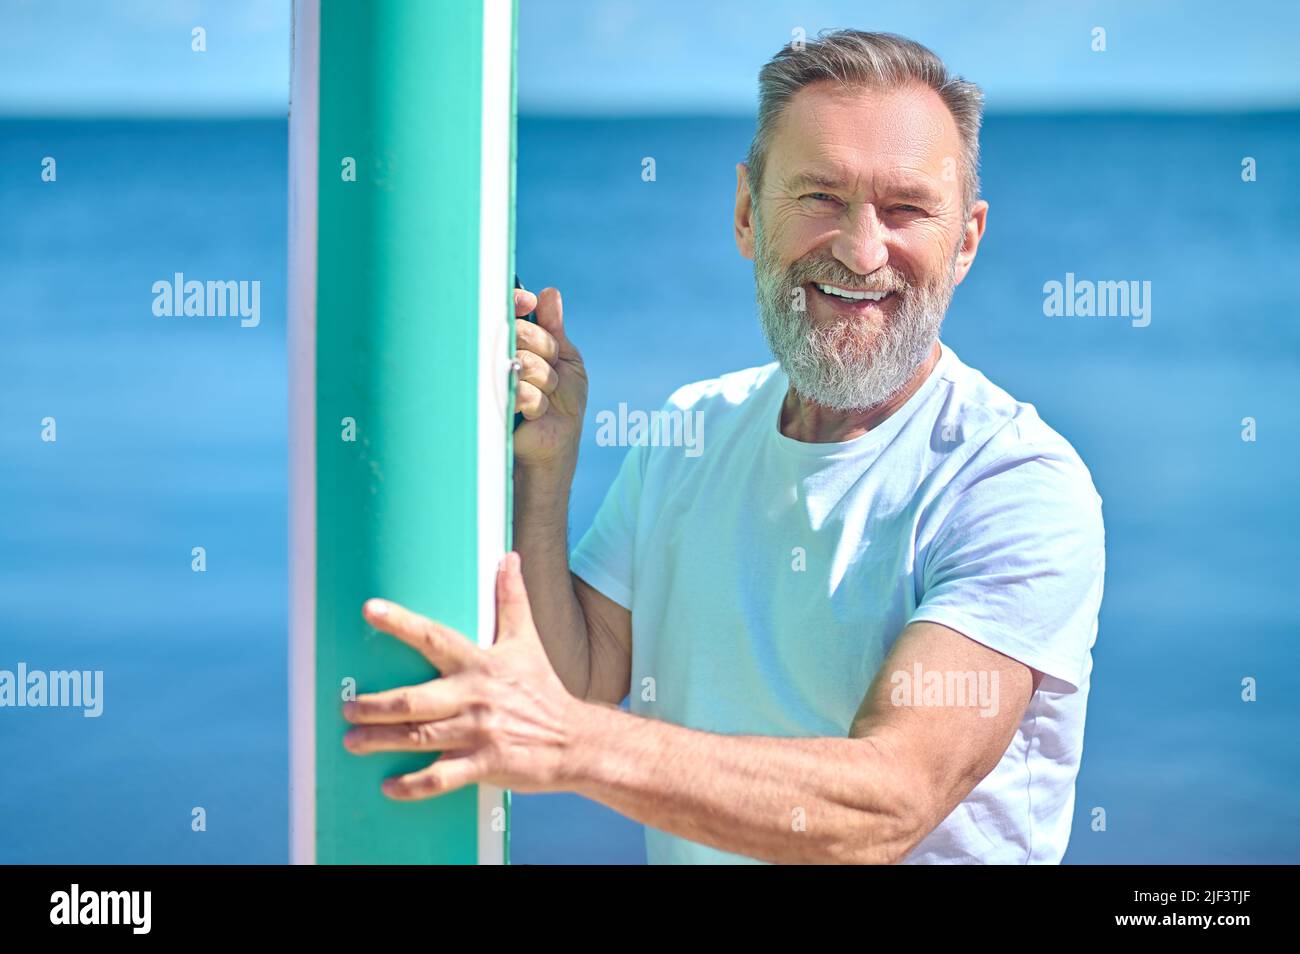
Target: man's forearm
x=819, y=800
x=541, y=514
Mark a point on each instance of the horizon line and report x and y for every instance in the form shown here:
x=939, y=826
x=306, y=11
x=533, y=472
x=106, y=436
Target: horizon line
x=1018, y=111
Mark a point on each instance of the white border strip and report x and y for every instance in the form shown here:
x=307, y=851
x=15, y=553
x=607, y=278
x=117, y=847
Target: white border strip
x=304, y=140
x=493, y=268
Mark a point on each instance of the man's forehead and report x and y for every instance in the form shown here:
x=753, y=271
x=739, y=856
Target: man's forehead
x=829, y=133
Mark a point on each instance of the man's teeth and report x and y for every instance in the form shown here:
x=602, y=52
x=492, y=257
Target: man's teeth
x=852, y=295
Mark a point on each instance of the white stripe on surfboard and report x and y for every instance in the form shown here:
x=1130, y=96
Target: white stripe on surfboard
x=493, y=261
x=304, y=136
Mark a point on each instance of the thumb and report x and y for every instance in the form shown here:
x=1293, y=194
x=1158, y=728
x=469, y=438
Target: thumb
x=550, y=315
x=514, y=615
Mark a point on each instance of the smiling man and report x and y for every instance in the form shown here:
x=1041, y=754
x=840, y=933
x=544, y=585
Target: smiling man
x=858, y=626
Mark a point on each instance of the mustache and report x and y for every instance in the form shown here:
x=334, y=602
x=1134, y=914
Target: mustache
x=832, y=272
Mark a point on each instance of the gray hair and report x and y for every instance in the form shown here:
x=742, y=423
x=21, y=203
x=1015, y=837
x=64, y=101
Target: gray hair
x=876, y=60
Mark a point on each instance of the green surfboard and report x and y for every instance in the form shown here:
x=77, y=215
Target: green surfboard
x=401, y=332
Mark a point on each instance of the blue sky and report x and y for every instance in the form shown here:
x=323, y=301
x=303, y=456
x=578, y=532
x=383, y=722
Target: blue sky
x=133, y=57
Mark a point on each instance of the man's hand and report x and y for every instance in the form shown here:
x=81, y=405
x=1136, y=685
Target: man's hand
x=498, y=715
x=552, y=389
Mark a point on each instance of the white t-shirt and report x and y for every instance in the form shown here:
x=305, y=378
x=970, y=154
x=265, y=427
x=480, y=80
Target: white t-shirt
x=768, y=578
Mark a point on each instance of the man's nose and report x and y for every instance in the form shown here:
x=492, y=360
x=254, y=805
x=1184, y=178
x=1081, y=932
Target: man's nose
x=860, y=245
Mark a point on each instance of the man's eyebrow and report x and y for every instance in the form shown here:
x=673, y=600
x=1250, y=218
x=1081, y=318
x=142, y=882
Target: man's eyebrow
x=912, y=192
x=917, y=192
x=817, y=180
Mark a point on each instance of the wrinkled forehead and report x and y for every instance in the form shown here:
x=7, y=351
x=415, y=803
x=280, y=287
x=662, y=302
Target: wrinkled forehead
x=864, y=135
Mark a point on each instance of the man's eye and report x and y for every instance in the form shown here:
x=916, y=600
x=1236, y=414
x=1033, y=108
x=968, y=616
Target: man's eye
x=907, y=208
x=821, y=197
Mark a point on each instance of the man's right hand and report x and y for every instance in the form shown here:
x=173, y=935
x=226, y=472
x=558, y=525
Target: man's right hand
x=551, y=392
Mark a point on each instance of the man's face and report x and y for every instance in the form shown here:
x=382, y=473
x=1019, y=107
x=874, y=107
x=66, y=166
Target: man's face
x=861, y=194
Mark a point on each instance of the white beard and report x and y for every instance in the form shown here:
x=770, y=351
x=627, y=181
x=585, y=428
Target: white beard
x=846, y=365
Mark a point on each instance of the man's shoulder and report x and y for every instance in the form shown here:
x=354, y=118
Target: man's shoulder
x=996, y=431
x=730, y=390
x=993, y=421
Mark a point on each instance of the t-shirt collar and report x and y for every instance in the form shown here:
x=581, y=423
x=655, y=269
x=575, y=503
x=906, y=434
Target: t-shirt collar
x=873, y=440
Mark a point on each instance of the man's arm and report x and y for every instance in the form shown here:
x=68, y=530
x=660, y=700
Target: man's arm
x=501, y=716
x=868, y=798
x=588, y=637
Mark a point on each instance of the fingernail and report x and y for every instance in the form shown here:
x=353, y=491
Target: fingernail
x=378, y=608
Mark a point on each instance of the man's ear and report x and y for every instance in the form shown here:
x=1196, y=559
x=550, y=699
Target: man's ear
x=744, y=213
x=970, y=240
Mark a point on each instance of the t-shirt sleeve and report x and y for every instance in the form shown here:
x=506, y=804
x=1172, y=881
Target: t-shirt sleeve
x=1018, y=562
x=604, y=555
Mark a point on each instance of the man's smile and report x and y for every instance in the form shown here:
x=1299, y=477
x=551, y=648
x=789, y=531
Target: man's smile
x=850, y=293
x=851, y=301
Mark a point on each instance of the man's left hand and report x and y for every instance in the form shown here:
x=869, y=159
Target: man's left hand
x=499, y=716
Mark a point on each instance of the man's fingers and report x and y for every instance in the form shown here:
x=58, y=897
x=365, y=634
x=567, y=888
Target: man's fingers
x=445, y=775
x=531, y=337
x=537, y=372
x=525, y=302
x=529, y=401
x=441, y=645
x=427, y=702
x=455, y=732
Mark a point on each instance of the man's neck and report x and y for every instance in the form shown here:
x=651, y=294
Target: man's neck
x=802, y=420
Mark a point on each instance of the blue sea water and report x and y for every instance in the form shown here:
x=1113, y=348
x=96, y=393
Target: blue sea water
x=171, y=435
